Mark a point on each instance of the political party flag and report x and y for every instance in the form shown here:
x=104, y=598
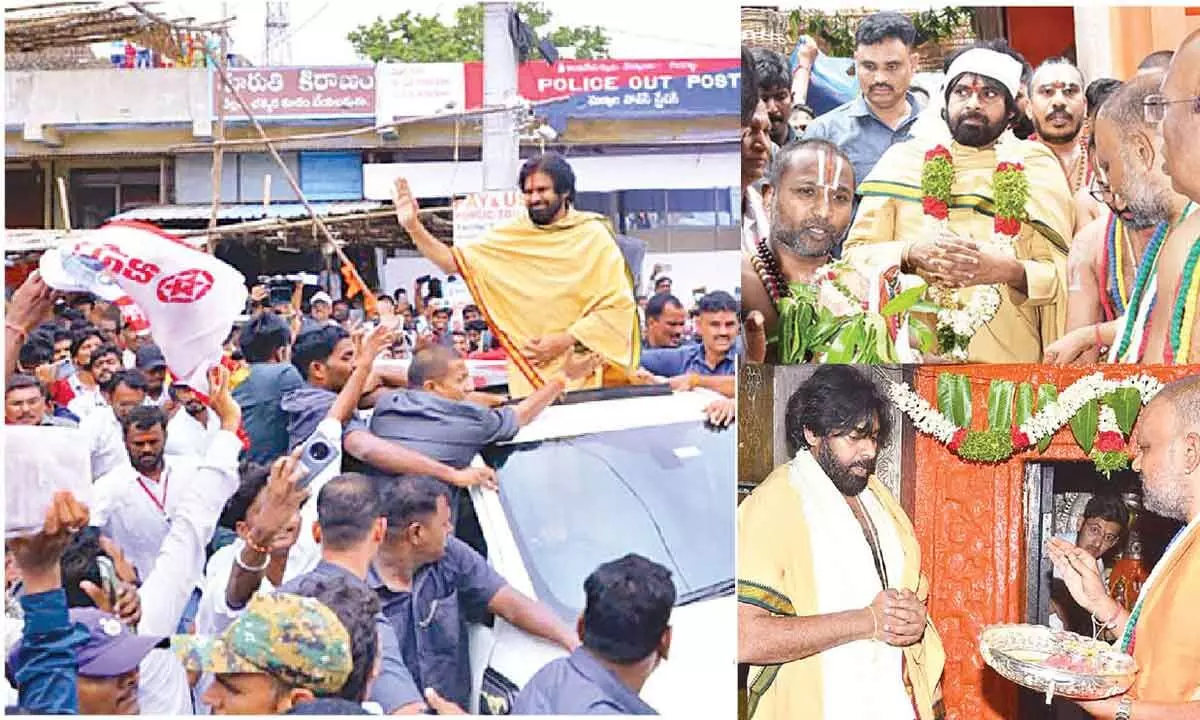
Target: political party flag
x=187, y=298
x=355, y=285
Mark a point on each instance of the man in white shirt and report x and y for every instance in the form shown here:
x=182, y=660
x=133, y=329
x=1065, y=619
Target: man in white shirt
x=132, y=503
x=149, y=359
x=124, y=391
x=101, y=365
x=193, y=426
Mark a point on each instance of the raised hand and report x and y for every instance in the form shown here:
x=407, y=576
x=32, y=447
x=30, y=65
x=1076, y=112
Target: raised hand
x=37, y=557
x=281, y=501
x=31, y=303
x=406, y=205
x=221, y=398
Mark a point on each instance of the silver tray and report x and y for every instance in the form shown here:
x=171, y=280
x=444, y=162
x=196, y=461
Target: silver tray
x=1020, y=654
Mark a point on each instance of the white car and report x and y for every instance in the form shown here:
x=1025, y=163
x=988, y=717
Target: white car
x=587, y=483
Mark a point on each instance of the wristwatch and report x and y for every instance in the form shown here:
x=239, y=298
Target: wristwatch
x=1124, y=709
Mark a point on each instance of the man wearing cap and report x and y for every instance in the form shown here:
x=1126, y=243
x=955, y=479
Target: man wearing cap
x=320, y=312
x=626, y=633
x=284, y=650
x=151, y=361
x=1012, y=291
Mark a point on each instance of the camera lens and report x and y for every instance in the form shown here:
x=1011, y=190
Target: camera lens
x=319, y=451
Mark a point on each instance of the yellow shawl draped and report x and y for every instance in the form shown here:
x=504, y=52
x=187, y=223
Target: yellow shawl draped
x=775, y=573
x=531, y=281
x=890, y=216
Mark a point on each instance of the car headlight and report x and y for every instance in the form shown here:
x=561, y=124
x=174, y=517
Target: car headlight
x=497, y=694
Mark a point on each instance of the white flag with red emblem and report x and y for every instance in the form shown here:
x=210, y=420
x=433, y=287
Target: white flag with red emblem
x=188, y=299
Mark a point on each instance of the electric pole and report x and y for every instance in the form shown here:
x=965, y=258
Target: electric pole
x=501, y=145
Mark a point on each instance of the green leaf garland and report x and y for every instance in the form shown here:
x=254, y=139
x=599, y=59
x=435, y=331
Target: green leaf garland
x=954, y=398
x=1126, y=403
x=989, y=446
x=1024, y=406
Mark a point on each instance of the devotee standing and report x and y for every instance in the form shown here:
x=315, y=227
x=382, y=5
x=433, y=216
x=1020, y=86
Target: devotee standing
x=1007, y=278
x=756, y=154
x=830, y=592
x=548, y=282
x=884, y=113
x=1173, y=335
x=1058, y=107
x=775, y=89
x=809, y=195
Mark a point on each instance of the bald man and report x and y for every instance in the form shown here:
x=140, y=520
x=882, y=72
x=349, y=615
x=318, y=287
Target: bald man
x=1170, y=323
x=1105, y=258
x=1161, y=631
x=809, y=196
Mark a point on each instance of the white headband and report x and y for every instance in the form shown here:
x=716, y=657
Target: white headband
x=988, y=63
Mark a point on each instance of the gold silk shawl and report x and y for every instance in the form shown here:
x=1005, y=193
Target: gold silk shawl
x=775, y=573
x=531, y=281
x=890, y=216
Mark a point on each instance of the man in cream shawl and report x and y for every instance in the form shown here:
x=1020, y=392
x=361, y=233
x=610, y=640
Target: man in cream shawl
x=891, y=227
x=550, y=283
x=1161, y=631
x=831, y=599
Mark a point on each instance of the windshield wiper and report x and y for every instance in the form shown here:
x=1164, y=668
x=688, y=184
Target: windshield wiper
x=722, y=587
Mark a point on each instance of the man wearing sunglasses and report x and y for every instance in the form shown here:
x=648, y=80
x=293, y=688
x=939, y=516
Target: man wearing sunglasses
x=1177, y=107
x=1108, y=311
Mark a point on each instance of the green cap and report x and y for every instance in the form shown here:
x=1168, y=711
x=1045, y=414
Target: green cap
x=297, y=640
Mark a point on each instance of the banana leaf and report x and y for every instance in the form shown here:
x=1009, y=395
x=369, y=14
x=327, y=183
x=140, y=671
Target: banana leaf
x=1024, y=403
x=953, y=402
x=1126, y=402
x=1000, y=404
x=1084, y=424
x=922, y=333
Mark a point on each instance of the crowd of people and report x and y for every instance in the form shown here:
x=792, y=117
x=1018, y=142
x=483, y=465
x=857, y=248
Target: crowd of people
x=215, y=568
x=832, y=591
x=1049, y=214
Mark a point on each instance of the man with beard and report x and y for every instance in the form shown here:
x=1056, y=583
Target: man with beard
x=1131, y=182
x=190, y=432
x=710, y=363
x=123, y=391
x=775, y=89
x=1173, y=335
x=551, y=283
x=883, y=114
x=1160, y=630
x=1058, y=107
x=809, y=195
x=831, y=598
x=132, y=502
x=954, y=247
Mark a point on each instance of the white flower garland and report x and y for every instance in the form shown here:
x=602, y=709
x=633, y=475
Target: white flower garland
x=1108, y=421
x=1042, y=424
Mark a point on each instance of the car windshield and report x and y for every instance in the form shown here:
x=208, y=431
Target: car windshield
x=666, y=493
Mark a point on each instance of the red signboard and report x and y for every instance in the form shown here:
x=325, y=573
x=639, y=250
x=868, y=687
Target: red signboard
x=538, y=80
x=302, y=92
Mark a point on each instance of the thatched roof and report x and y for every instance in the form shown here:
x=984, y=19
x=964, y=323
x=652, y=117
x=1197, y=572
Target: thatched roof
x=36, y=27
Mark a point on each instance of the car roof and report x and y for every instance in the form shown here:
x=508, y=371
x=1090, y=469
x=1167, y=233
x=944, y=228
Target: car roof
x=559, y=421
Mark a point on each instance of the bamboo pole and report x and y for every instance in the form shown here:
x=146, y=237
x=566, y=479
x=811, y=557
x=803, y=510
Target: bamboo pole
x=218, y=146
x=281, y=224
x=62, y=202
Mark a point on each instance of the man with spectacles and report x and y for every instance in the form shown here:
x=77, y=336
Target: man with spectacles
x=1105, y=521
x=1173, y=335
x=1130, y=181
